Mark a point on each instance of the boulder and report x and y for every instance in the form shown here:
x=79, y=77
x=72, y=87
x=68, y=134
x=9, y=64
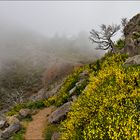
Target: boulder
x=12, y=120
x=24, y=113
x=55, y=136
x=74, y=98
x=8, y=132
x=0, y=134
x=60, y=113
x=84, y=75
x=2, y=123
x=72, y=91
x=79, y=83
x=135, y=60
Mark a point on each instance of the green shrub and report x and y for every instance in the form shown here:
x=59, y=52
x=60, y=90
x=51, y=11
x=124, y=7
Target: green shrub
x=69, y=83
x=51, y=128
x=120, y=44
x=35, y=104
x=15, y=109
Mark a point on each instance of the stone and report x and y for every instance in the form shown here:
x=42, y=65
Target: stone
x=55, y=136
x=24, y=113
x=72, y=91
x=74, y=98
x=84, y=74
x=79, y=83
x=0, y=134
x=135, y=60
x=8, y=132
x=60, y=113
x=12, y=120
x=2, y=123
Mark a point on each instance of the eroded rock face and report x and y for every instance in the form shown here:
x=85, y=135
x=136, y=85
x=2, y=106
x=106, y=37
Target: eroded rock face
x=60, y=113
x=132, y=36
x=8, y=132
x=135, y=60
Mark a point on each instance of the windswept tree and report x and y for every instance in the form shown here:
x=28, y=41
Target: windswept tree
x=104, y=37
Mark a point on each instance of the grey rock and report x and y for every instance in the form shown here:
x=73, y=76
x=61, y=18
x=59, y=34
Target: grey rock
x=84, y=74
x=72, y=91
x=74, y=98
x=0, y=134
x=8, y=132
x=60, y=113
x=2, y=123
x=24, y=113
x=132, y=43
x=12, y=120
x=78, y=84
x=135, y=60
x=55, y=136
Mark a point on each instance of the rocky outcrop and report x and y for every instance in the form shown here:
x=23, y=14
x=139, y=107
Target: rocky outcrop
x=8, y=132
x=60, y=113
x=135, y=60
x=132, y=36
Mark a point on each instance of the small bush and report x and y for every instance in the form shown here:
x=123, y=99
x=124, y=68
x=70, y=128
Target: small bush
x=51, y=128
x=120, y=44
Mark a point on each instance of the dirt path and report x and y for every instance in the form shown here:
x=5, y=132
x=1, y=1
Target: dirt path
x=36, y=127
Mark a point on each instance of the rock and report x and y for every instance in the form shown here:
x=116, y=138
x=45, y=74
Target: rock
x=2, y=123
x=0, y=134
x=8, y=132
x=132, y=36
x=40, y=95
x=24, y=113
x=135, y=60
x=60, y=113
x=78, y=84
x=72, y=91
x=55, y=136
x=74, y=98
x=12, y=120
x=84, y=74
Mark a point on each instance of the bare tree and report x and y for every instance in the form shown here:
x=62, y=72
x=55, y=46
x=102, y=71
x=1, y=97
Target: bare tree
x=103, y=37
x=124, y=22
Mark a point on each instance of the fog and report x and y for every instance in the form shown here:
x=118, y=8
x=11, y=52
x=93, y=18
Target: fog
x=35, y=35
x=49, y=31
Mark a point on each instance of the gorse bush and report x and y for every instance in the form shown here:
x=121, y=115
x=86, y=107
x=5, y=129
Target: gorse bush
x=109, y=107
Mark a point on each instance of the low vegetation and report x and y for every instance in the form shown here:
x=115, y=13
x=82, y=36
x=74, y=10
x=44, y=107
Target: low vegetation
x=109, y=107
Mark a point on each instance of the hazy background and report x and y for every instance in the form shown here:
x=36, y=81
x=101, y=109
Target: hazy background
x=39, y=35
x=65, y=17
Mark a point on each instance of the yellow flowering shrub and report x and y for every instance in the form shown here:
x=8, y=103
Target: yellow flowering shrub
x=109, y=107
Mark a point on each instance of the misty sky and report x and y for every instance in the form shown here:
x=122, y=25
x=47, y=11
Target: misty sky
x=65, y=17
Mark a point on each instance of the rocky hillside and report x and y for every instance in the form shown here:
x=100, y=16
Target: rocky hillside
x=100, y=100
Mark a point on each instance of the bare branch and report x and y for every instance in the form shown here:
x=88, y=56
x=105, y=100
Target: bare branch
x=103, y=38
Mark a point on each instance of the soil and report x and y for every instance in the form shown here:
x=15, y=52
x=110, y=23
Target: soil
x=38, y=124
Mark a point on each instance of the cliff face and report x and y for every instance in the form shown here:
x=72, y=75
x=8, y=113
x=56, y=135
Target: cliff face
x=132, y=36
